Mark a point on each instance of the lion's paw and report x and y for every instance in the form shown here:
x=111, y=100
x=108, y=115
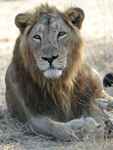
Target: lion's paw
x=92, y=128
x=85, y=127
x=104, y=103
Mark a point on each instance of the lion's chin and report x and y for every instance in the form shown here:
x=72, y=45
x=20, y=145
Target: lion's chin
x=52, y=73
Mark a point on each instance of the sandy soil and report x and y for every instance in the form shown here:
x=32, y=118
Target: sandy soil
x=98, y=33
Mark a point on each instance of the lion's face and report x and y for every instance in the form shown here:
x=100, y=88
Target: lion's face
x=51, y=39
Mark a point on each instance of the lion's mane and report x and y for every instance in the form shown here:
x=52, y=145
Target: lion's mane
x=66, y=97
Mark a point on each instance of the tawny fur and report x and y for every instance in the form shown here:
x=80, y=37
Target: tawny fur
x=68, y=97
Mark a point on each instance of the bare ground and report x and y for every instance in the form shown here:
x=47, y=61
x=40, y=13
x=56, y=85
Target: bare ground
x=98, y=33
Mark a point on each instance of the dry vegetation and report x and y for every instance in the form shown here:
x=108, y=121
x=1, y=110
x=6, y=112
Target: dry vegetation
x=98, y=33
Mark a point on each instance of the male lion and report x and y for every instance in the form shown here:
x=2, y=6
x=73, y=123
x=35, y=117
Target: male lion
x=48, y=83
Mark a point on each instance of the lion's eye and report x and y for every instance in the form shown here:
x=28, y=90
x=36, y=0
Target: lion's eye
x=37, y=37
x=61, y=33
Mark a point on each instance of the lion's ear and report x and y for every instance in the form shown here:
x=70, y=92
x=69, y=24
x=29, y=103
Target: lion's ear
x=76, y=16
x=21, y=21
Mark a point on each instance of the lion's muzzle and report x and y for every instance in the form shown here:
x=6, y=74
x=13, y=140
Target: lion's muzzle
x=51, y=66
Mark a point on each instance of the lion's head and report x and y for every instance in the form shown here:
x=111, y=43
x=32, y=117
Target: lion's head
x=52, y=38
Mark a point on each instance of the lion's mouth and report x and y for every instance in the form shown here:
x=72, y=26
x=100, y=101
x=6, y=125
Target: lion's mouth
x=52, y=73
x=52, y=68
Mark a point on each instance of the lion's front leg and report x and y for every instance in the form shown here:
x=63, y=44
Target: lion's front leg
x=72, y=130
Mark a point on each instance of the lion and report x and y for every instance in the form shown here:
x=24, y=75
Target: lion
x=48, y=82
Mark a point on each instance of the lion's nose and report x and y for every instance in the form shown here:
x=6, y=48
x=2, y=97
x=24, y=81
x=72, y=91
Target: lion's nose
x=50, y=59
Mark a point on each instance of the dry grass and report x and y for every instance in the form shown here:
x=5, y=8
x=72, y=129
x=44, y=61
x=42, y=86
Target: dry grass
x=98, y=33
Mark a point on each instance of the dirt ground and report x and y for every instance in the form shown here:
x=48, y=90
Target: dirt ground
x=98, y=34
